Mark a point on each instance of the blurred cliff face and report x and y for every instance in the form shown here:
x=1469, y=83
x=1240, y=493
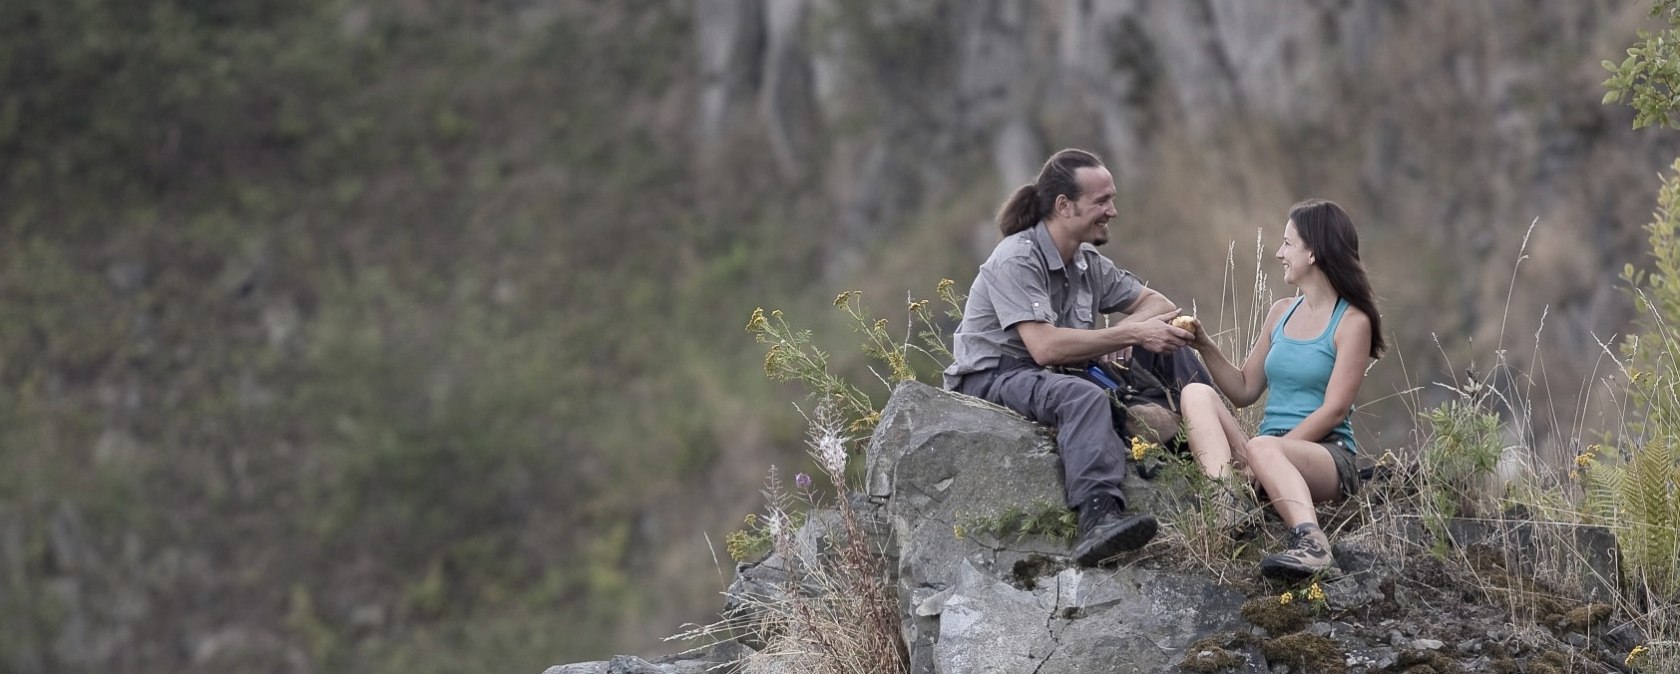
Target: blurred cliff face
x=1446, y=130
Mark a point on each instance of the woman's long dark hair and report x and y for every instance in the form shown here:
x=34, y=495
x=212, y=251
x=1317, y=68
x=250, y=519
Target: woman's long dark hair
x=1328, y=232
x=1032, y=201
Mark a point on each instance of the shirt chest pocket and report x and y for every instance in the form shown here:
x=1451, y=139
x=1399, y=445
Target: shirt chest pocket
x=1082, y=311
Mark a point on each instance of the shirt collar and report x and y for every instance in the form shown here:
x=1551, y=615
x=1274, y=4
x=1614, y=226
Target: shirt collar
x=1047, y=246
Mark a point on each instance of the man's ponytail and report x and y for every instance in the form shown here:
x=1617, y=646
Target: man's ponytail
x=1020, y=213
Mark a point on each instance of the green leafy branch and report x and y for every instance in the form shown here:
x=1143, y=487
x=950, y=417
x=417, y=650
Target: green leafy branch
x=792, y=357
x=920, y=326
x=1648, y=80
x=1634, y=486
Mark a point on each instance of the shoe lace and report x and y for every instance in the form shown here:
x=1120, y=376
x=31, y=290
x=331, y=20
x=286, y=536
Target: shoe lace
x=1297, y=540
x=1306, y=543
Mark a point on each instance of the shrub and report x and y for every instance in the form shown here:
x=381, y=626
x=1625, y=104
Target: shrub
x=1461, y=448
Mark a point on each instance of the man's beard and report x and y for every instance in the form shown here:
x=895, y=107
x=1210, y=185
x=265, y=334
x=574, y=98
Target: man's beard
x=1100, y=235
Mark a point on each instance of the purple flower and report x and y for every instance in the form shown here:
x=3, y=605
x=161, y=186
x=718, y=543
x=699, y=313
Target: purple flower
x=803, y=480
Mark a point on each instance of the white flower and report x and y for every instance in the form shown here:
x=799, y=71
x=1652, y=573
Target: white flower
x=831, y=450
x=828, y=445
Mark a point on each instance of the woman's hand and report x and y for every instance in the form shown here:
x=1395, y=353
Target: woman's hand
x=1193, y=325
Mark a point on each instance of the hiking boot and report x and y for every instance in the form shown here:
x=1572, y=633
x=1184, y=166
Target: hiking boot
x=1106, y=530
x=1308, y=553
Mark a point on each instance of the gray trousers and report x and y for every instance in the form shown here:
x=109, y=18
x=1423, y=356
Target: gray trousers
x=1093, y=456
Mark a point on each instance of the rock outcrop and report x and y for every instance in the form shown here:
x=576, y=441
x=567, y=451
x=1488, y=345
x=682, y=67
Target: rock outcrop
x=979, y=600
x=943, y=469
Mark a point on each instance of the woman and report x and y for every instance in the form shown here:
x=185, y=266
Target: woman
x=1313, y=354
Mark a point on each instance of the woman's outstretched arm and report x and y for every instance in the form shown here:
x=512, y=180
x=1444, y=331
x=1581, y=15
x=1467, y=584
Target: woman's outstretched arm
x=1242, y=385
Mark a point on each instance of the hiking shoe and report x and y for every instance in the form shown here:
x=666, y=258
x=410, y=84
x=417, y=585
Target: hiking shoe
x=1308, y=553
x=1106, y=530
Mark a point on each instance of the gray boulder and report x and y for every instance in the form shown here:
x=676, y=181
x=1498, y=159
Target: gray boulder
x=1081, y=620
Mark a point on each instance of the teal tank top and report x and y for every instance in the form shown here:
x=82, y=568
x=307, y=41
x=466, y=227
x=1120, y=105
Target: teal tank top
x=1298, y=372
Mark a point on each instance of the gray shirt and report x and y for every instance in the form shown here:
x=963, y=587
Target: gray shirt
x=1025, y=280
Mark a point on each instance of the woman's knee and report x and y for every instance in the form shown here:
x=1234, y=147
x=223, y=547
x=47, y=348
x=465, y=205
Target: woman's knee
x=1263, y=449
x=1201, y=402
x=1197, y=394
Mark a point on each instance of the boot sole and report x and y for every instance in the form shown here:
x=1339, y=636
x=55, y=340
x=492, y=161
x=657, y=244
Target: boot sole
x=1130, y=534
x=1280, y=570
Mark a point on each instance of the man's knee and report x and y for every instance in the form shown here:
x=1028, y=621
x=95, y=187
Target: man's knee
x=1069, y=399
x=1080, y=393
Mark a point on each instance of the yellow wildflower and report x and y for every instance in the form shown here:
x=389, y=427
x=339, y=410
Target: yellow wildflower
x=842, y=299
x=751, y=519
x=918, y=305
x=1286, y=597
x=1635, y=375
x=1574, y=475
x=866, y=423
x=900, y=367
x=958, y=531
x=944, y=286
x=1141, y=447
x=1584, y=460
x=772, y=357
x=881, y=324
x=1634, y=654
x=757, y=322
x=1315, y=593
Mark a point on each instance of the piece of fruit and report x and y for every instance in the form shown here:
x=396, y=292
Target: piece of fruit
x=1187, y=323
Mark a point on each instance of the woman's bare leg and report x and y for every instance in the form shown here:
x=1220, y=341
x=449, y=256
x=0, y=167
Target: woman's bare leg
x=1212, y=431
x=1295, y=474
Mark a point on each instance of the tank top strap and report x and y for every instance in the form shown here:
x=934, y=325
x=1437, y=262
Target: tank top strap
x=1277, y=330
x=1335, y=319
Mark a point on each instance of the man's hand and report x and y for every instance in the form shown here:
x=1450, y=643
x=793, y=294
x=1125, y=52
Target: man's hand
x=1156, y=334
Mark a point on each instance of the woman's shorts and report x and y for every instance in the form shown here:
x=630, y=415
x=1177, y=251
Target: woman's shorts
x=1347, y=471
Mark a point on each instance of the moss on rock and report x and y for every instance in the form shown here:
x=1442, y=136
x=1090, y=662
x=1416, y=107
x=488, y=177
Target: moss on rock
x=1213, y=654
x=1310, y=652
x=1276, y=616
x=1582, y=618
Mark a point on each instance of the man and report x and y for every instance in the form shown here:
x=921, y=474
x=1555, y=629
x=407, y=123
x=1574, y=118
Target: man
x=1034, y=305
